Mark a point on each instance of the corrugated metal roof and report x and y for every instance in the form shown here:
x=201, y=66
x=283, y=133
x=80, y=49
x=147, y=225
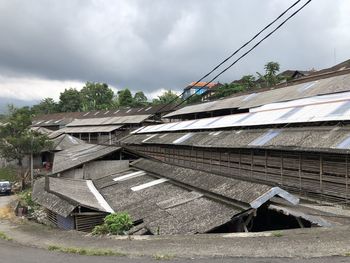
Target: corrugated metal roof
x=91, y=129
x=326, y=138
x=323, y=108
x=133, y=119
x=78, y=155
x=304, y=90
x=65, y=141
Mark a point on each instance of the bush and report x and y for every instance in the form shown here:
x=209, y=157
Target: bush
x=115, y=224
x=25, y=198
x=8, y=174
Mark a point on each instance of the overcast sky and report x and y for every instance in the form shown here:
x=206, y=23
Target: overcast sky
x=150, y=45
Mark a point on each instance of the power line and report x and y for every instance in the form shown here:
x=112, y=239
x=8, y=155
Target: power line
x=239, y=49
x=251, y=49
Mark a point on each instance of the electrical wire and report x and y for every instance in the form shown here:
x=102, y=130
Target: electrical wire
x=235, y=52
x=250, y=50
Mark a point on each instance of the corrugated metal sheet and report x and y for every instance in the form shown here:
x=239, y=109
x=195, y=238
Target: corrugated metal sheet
x=331, y=138
x=312, y=88
x=78, y=155
x=326, y=109
x=65, y=141
x=133, y=119
x=92, y=129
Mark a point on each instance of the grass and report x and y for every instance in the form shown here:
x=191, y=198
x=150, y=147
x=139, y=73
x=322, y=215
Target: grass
x=86, y=251
x=163, y=256
x=4, y=236
x=277, y=234
x=8, y=174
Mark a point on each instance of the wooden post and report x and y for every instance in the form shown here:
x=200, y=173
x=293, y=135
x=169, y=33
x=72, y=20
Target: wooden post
x=281, y=168
x=321, y=174
x=299, y=171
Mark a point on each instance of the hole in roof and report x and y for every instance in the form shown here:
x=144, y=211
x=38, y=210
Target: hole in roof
x=250, y=96
x=290, y=113
x=140, y=110
x=116, y=111
x=58, y=121
x=128, y=111
x=183, y=138
x=344, y=107
x=96, y=113
x=106, y=112
x=86, y=113
x=266, y=137
x=148, y=108
x=306, y=86
x=48, y=121
x=345, y=144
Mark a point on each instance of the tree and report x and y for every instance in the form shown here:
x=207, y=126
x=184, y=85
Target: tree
x=167, y=97
x=17, y=140
x=96, y=96
x=139, y=99
x=248, y=81
x=70, y=100
x=125, y=98
x=270, y=78
x=227, y=90
x=46, y=106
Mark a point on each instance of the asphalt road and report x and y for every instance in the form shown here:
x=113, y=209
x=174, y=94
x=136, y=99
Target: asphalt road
x=15, y=253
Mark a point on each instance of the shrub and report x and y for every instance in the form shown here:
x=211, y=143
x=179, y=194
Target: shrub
x=100, y=230
x=115, y=224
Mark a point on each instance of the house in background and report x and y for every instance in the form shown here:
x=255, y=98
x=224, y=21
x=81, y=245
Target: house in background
x=199, y=88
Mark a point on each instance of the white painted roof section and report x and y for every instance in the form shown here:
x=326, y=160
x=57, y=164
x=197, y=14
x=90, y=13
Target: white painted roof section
x=149, y=184
x=334, y=107
x=129, y=176
x=275, y=191
x=99, y=197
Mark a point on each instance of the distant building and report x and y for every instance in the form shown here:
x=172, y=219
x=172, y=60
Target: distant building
x=199, y=88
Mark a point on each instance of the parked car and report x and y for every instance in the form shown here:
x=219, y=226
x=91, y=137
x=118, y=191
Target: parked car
x=5, y=187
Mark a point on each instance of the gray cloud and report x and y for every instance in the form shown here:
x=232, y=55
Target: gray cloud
x=154, y=44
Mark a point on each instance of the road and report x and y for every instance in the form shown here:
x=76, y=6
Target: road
x=15, y=253
x=5, y=200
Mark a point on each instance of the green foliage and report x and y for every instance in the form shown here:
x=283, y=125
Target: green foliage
x=86, y=251
x=228, y=89
x=270, y=78
x=25, y=198
x=248, y=81
x=100, y=230
x=70, y=100
x=194, y=99
x=8, y=174
x=3, y=236
x=139, y=99
x=125, y=98
x=17, y=140
x=115, y=224
x=167, y=97
x=118, y=223
x=96, y=96
x=46, y=106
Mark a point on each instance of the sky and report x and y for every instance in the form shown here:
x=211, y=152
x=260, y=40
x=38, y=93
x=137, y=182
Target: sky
x=154, y=45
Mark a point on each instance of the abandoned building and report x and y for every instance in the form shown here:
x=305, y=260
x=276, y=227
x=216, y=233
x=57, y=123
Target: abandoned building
x=275, y=159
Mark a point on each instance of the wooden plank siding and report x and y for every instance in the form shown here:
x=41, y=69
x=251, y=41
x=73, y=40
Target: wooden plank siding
x=318, y=175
